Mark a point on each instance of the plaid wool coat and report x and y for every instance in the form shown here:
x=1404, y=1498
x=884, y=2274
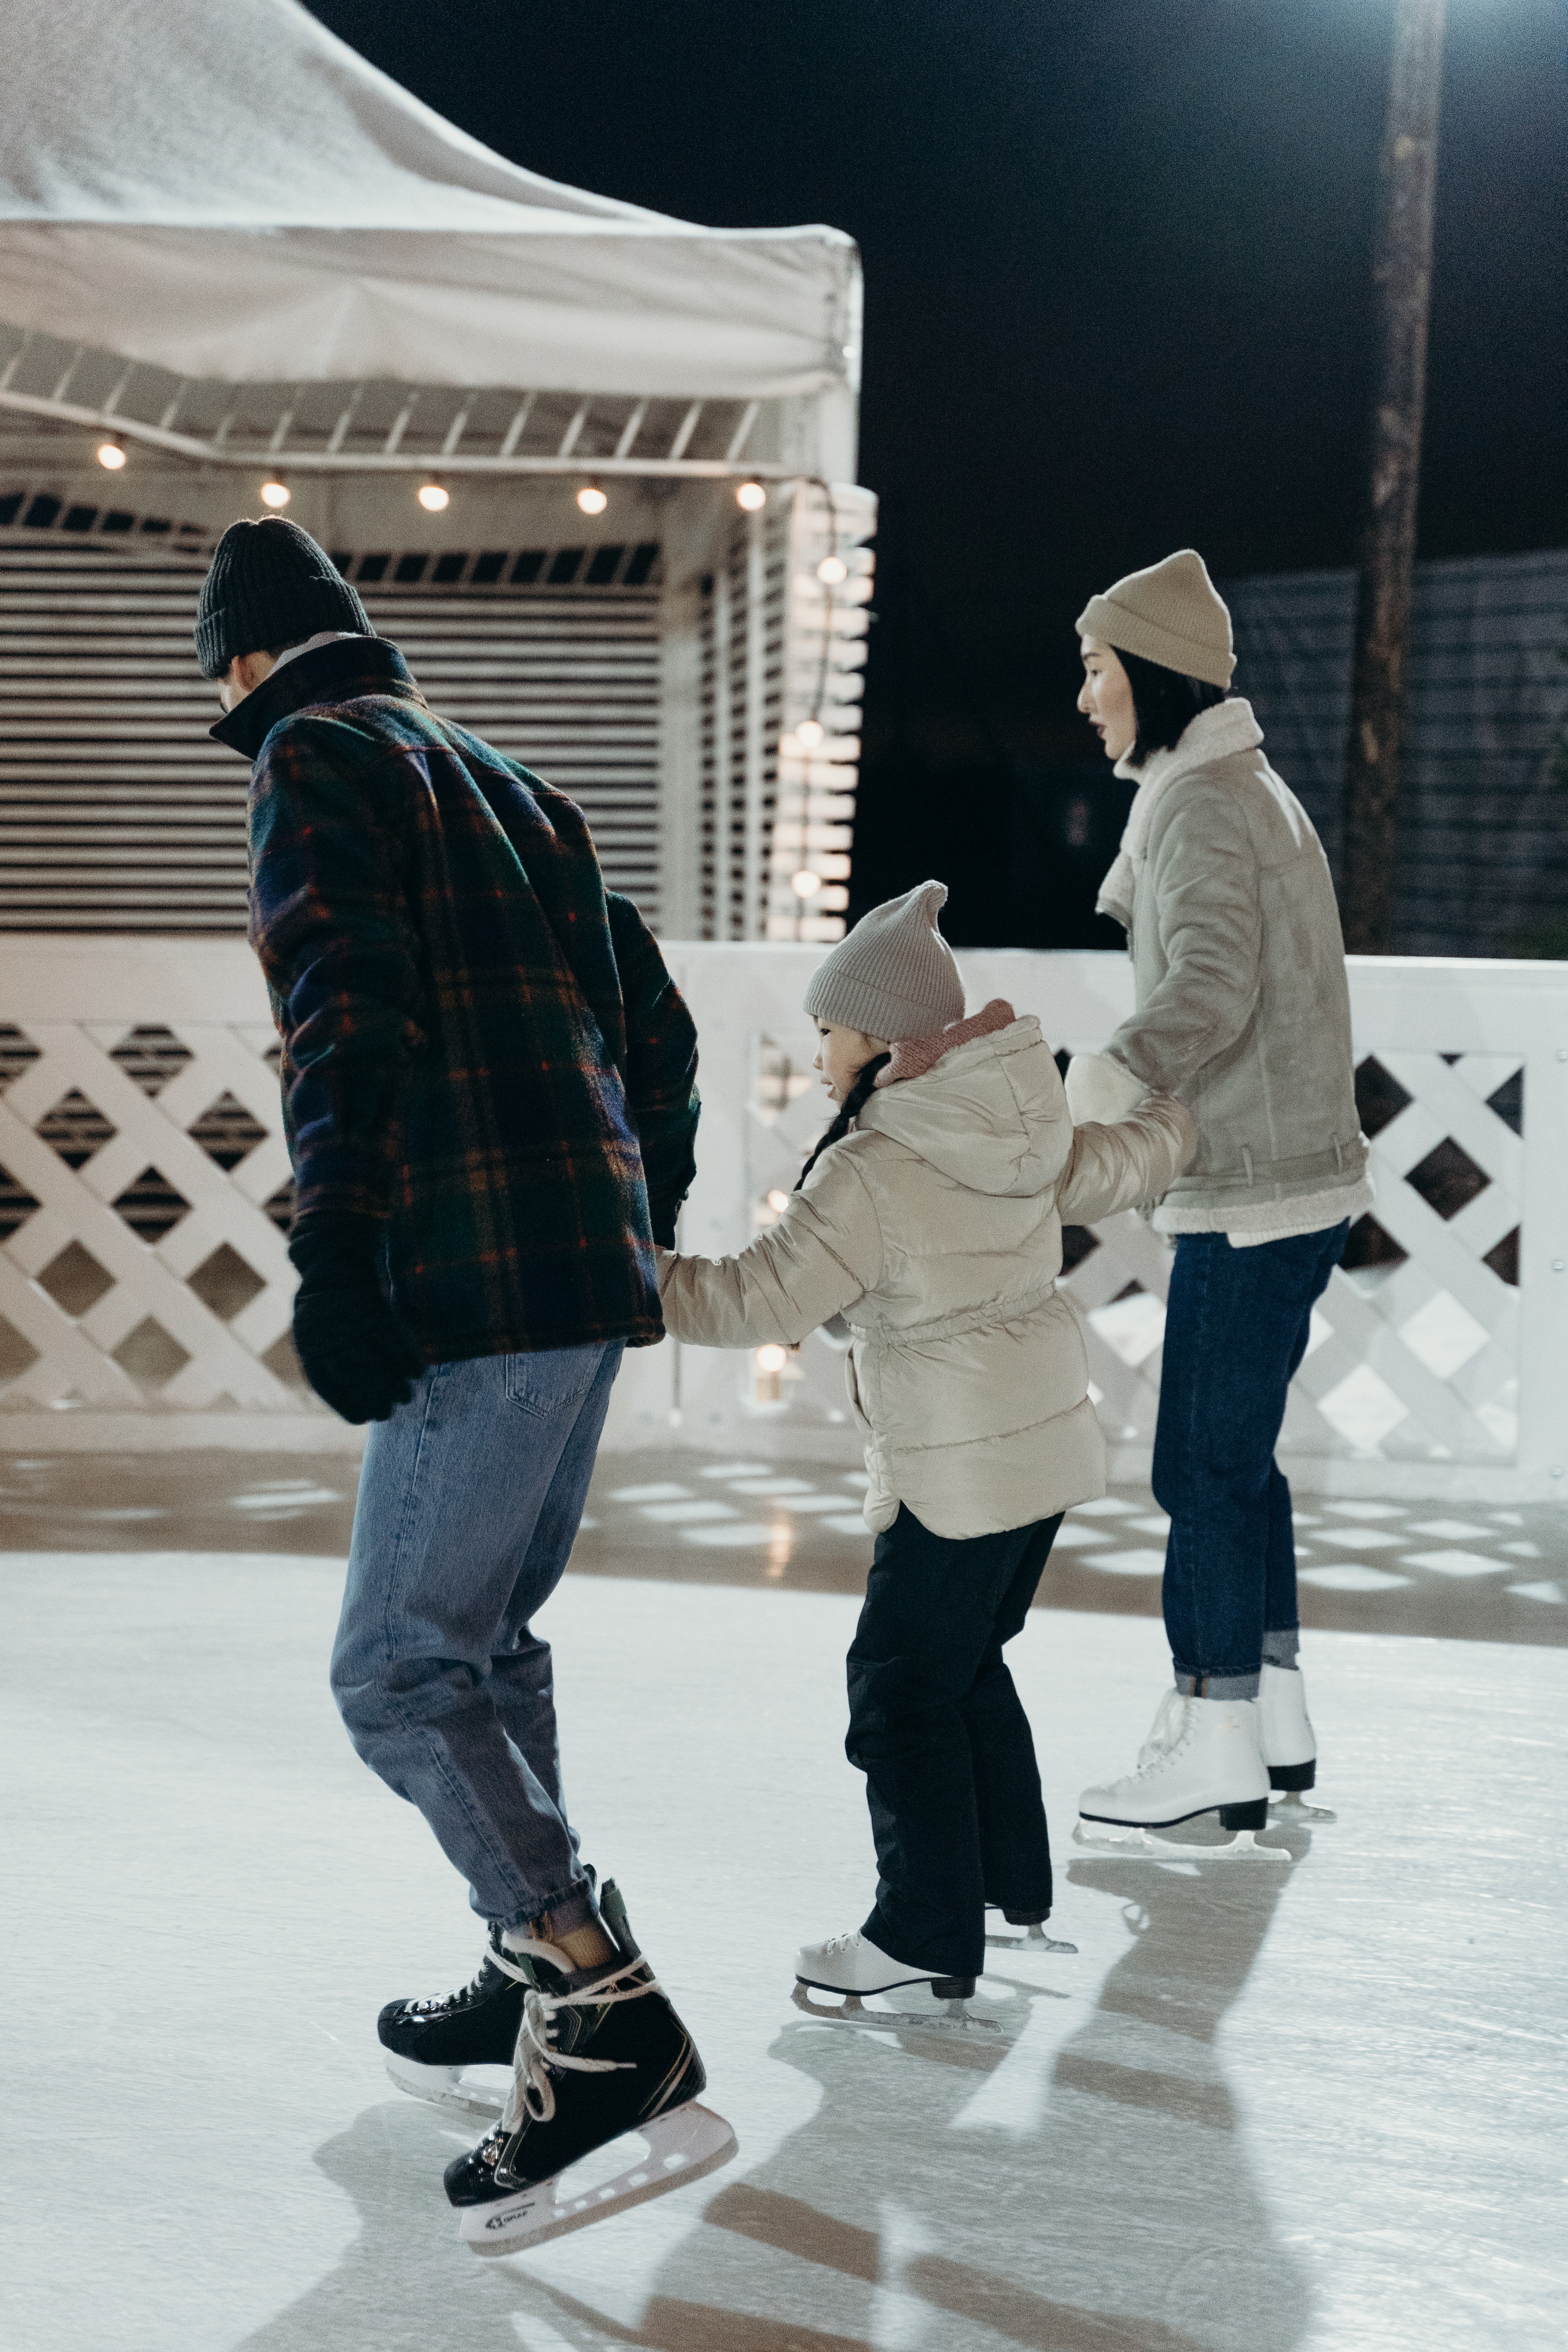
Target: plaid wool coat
x=482, y=1048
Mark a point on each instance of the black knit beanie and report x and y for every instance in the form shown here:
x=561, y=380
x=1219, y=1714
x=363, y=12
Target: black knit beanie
x=270, y=584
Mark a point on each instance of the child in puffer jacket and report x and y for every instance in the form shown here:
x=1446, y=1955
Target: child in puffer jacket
x=930, y=1217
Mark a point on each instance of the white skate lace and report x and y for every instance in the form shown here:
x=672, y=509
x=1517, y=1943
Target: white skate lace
x=532, y=2094
x=1152, y=1761
x=1160, y=1731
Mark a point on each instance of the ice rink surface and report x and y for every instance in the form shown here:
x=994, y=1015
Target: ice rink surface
x=1263, y=2108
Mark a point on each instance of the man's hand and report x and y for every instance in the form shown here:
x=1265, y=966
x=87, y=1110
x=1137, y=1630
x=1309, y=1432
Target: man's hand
x=353, y=1349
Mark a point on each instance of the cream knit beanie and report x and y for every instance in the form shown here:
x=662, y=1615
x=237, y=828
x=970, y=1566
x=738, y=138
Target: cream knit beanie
x=894, y=976
x=1170, y=614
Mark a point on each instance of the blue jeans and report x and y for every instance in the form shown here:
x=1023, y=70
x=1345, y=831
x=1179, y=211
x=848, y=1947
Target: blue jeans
x=1237, y=1324
x=469, y=1503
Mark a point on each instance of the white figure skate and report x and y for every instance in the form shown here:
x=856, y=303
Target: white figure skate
x=1034, y=1937
x=859, y=1969
x=1289, y=1748
x=1203, y=1756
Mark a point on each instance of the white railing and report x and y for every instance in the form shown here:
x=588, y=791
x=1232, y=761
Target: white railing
x=144, y=1286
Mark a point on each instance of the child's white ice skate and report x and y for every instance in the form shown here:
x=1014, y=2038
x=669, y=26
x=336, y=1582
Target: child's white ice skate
x=859, y=1970
x=1203, y=1756
x=1290, y=1747
x=1034, y=1937
x=601, y=2055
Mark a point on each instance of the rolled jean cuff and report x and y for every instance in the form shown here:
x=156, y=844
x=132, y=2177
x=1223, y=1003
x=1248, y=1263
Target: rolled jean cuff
x=1282, y=1649
x=1218, y=1686
x=577, y=1907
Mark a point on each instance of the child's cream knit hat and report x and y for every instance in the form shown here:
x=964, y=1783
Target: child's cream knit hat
x=1171, y=614
x=894, y=976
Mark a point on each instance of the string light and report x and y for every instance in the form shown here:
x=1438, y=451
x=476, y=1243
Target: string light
x=434, y=498
x=771, y=1358
x=275, y=494
x=110, y=456
x=832, y=569
x=810, y=733
x=592, y=499
x=805, y=884
x=778, y=1201
x=752, y=497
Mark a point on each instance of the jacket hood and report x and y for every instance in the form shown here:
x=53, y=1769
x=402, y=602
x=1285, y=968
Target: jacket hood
x=991, y=1116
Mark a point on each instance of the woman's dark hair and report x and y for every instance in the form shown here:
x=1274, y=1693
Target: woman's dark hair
x=849, y=1109
x=1164, y=703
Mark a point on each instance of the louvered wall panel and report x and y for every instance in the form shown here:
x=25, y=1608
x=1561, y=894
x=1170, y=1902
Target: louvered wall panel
x=567, y=682
x=118, y=813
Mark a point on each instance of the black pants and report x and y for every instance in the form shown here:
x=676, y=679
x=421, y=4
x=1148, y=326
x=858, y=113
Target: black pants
x=938, y=1729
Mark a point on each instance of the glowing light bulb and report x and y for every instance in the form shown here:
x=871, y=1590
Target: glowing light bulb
x=434, y=498
x=805, y=884
x=110, y=456
x=778, y=1201
x=771, y=1358
x=752, y=497
x=810, y=733
x=592, y=499
x=275, y=494
x=832, y=569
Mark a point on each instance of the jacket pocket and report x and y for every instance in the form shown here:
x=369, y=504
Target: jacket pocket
x=552, y=1378
x=852, y=1389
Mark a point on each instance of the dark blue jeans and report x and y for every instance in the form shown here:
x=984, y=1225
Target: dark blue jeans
x=1237, y=1324
x=941, y=1737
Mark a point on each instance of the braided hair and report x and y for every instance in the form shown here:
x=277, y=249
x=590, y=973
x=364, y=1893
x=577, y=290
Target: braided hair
x=849, y=1110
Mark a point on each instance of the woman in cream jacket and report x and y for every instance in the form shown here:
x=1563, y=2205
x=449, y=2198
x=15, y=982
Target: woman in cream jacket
x=931, y=1220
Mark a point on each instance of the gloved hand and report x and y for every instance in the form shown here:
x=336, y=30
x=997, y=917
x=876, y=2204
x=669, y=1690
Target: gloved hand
x=1101, y=1090
x=353, y=1349
x=663, y=1208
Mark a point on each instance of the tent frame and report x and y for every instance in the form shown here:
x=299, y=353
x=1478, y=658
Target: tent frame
x=326, y=451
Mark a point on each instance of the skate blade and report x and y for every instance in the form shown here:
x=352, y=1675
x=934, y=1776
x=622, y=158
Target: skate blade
x=681, y=2146
x=444, y=2086
x=1033, y=1939
x=1287, y=1805
x=1136, y=1845
x=947, y=2016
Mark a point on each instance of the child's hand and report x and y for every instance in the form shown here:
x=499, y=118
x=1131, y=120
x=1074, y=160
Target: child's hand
x=1101, y=1090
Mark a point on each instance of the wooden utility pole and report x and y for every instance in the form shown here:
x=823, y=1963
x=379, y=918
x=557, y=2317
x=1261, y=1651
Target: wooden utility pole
x=1401, y=291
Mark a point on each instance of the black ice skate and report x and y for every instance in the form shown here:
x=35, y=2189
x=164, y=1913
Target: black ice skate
x=600, y=2054
x=430, y=2045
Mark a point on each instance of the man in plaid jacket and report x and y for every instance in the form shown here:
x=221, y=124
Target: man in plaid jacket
x=489, y=1085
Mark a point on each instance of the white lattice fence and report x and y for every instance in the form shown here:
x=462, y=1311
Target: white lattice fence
x=145, y=1286
x=144, y=1202
x=1438, y=1356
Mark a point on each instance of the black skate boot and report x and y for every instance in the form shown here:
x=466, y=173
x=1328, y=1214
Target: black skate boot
x=430, y=2043
x=600, y=2052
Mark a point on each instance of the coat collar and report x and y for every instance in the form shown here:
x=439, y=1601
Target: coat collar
x=339, y=672
x=1213, y=734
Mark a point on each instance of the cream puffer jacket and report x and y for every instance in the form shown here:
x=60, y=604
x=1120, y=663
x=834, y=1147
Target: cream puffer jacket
x=935, y=1229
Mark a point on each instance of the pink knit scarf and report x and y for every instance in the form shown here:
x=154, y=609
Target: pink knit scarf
x=914, y=1056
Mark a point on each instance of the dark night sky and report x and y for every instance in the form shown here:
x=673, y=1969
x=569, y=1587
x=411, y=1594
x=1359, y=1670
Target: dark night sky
x=1116, y=266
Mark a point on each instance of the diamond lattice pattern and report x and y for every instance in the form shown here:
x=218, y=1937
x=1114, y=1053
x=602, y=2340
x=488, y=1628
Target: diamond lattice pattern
x=1413, y=1351
x=144, y=1194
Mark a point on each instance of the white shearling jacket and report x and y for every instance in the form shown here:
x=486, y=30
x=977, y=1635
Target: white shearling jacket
x=934, y=1228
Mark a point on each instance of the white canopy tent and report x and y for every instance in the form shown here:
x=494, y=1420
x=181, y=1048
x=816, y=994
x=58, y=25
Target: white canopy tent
x=239, y=265
x=233, y=194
